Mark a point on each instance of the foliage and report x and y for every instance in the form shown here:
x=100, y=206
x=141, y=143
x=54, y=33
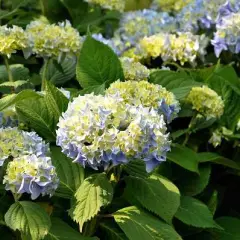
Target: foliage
x=118, y=133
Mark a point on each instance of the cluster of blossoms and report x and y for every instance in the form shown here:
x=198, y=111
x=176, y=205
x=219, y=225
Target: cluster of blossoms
x=31, y=174
x=134, y=71
x=170, y=5
x=8, y=118
x=206, y=101
x=50, y=40
x=182, y=47
x=203, y=14
x=138, y=24
x=218, y=135
x=147, y=95
x=106, y=4
x=101, y=130
x=12, y=39
x=30, y=171
x=227, y=34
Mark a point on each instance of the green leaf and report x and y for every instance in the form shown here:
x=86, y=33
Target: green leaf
x=184, y=157
x=62, y=231
x=231, y=229
x=57, y=77
x=217, y=159
x=97, y=64
x=15, y=98
x=18, y=72
x=112, y=231
x=29, y=218
x=99, y=89
x=70, y=174
x=193, y=184
x=136, y=168
x=37, y=116
x=194, y=213
x=55, y=100
x=95, y=192
x=179, y=82
x=156, y=194
x=15, y=84
x=138, y=224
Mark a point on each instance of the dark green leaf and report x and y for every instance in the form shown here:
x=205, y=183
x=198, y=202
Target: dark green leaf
x=156, y=194
x=185, y=157
x=138, y=224
x=97, y=64
x=194, y=213
x=136, y=168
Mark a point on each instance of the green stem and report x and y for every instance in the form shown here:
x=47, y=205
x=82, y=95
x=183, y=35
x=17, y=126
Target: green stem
x=42, y=7
x=45, y=67
x=10, y=77
x=16, y=196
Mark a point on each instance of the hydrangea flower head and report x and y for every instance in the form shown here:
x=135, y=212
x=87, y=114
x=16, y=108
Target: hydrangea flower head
x=98, y=131
x=134, y=70
x=227, y=34
x=8, y=118
x=206, y=101
x=182, y=47
x=170, y=5
x=138, y=24
x=50, y=40
x=12, y=39
x=148, y=95
x=31, y=174
x=15, y=143
x=118, y=5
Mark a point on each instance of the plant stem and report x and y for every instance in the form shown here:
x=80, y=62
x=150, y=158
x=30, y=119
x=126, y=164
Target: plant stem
x=10, y=77
x=16, y=196
x=45, y=67
x=42, y=7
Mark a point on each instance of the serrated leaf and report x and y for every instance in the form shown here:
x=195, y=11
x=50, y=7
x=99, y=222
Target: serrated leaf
x=29, y=218
x=178, y=82
x=95, y=192
x=155, y=193
x=18, y=72
x=99, y=89
x=70, y=174
x=55, y=100
x=184, y=157
x=112, y=231
x=62, y=231
x=58, y=77
x=231, y=229
x=14, y=98
x=138, y=224
x=136, y=168
x=193, y=184
x=217, y=159
x=195, y=213
x=97, y=64
x=37, y=116
x=14, y=84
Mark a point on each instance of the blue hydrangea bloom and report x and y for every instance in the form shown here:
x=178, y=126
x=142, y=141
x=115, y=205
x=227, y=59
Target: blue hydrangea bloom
x=14, y=143
x=8, y=118
x=31, y=174
x=99, y=131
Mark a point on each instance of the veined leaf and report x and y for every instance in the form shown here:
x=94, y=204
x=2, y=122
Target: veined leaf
x=136, y=168
x=36, y=114
x=195, y=213
x=193, y=184
x=70, y=174
x=112, y=231
x=156, y=194
x=138, y=224
x=62, y=231
x=55, y=100
x=217, y=159
x=97, y=64
x=231, y=229
x=29, y=218
x=14, y=84
x=184, y=157
x=14, y=98
x=18, y=72
x=95, y=192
